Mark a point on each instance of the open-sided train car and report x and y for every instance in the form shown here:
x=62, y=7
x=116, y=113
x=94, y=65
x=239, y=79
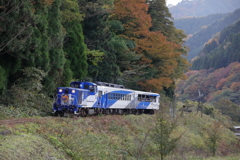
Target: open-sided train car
x=87, y=98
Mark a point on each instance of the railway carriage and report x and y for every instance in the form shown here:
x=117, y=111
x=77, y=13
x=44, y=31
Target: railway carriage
x=87, y=98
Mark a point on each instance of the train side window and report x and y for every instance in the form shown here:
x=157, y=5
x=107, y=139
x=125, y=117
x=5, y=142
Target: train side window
x=139, y=97
x=147, y=98
x=117, y=96
x=110, y=96
x=153, y=98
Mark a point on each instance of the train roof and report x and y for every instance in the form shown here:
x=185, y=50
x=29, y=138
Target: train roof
x=109, y=84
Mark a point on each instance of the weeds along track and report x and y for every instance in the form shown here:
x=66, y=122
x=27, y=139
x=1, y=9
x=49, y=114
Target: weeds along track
x=22, y=120
x=13, y=122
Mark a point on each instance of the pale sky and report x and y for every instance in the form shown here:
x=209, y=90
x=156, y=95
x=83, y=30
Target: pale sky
x=173, y=2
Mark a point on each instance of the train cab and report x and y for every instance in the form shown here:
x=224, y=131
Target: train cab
x=92, y=87
x=78, y=95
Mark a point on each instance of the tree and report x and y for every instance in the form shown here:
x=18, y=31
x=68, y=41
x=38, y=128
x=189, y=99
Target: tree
x=74, y=45
x=2, y=78
x=161, y=18
x=213, y=132
x=99, y=37
x=161, y=136
x=16, y=20
x=25, y=93
x=161, y=57
x=228, y=108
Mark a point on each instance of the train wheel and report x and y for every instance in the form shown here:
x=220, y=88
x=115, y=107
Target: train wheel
x=83, y=112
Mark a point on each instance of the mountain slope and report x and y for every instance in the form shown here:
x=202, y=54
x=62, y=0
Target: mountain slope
x=199, y=8
x=195, y=24
x=223, y=83
x=197, y=41
x=221, y=50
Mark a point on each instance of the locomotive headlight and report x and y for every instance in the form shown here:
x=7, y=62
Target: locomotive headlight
x=60, y=90
x=73, y=91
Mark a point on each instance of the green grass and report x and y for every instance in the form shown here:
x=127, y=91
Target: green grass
x=28, y=147
x=114, y=137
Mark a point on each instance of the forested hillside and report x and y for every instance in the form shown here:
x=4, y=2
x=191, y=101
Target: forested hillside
x=221, y=50
x=214, y=52
x=222, y=83
x=130, y=42
x=190, y=25
x=197, y=41
x=198, y=8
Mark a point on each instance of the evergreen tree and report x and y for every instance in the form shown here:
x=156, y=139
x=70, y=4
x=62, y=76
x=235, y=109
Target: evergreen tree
x=74, y=45
x=56, y=54
x=16, y=30
x=98, y=36
x=161, y=18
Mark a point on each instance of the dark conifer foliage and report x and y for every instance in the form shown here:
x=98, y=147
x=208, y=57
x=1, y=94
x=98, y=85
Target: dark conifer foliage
x=222, y=51
x=56, y=54
x=77, y=39
x=75, y=49
x=98, y=36
x=161, y=17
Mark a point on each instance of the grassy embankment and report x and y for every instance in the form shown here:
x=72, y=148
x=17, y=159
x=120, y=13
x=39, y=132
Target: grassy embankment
x=119, y=137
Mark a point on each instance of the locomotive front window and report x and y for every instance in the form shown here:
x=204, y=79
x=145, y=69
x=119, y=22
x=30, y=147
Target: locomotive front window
x=91, y=88
x=74, y=85
x=86, y=86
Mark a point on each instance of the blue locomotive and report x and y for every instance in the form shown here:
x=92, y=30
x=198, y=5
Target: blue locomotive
x=87, y=98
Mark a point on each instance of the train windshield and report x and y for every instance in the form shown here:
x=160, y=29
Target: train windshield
x=92, y=88
x=75, y=85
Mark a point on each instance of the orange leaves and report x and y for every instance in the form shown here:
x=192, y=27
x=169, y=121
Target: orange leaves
x=235, y=86
x=212, y=83
x=156, y=84
x=162, y=57
x=133, y=14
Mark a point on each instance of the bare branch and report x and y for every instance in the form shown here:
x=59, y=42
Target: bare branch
x=2, y=47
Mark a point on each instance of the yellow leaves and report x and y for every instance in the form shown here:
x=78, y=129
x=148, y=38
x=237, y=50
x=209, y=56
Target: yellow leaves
x=47, y=2
x=70, y=11
x=95, y=56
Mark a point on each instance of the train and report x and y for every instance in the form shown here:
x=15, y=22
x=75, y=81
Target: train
x=84, y=98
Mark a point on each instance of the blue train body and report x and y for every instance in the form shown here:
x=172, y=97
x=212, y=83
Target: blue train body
x=86, y=98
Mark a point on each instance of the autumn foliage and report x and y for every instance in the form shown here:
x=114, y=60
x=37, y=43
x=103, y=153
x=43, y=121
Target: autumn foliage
x=214, y=84
x=161, y=55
